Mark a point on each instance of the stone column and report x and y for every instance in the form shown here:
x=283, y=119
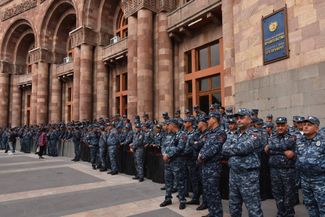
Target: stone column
x=229, y=51
x=76, y=84
x=55, y=105
x=42, y=93
x=33, y=117
x=165, y=67
x=16, y=102
x=4, y=100
x=102, y=90
x=132, y=67
x=86, y=58
x=145, y=63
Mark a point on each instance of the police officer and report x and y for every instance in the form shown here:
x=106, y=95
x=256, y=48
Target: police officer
x=158, y=136
x=191, y=155
x=204, y=132
x=311, y=166
x=282, y=163
x=93, y=142
x=209, y=157
x=137, y=147
x=177, y=116
x=165, y=116
x=147, y=122
x=243, y=151
x=174, y=163
x=232, y=126
x=269, y=118
x=112, y=143
x=76, y=137
x=269, y=127
x=103, y=149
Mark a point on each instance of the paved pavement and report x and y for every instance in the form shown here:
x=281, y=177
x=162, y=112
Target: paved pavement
x=30, y=187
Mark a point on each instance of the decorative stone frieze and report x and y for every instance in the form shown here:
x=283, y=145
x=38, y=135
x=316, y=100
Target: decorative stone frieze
x=40, y=55
x=167, y=5
x=18, y=9
x=130, y=7
x=83, y=35
x=3, y=2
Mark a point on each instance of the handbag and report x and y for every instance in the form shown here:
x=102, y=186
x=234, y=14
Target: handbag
x=37, y=150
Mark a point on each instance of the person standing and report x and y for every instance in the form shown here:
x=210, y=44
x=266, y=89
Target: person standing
x=137, y=147
x=282, y=167
x=191, y=155
x=172, y=151
x=76, y=137
x=112, y=143
x=243, y=150
x=311, y=165
x=210, y=158
x=42, y=143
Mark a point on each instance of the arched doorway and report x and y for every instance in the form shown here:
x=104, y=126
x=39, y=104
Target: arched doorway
x=17, y=44
x=60, y=20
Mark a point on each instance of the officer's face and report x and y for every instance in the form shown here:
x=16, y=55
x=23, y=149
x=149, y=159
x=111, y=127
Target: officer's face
x=269, y=130
x=300, y=126
x=232, y=126
x=281, y=128
x=187, y=124
x=212, y=122
x=310, y=129
x=243, y=121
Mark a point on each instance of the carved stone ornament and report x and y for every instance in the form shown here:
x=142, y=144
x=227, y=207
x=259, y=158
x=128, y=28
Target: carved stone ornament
x=18, y=9
x=83, y=35
x=3, y=2
x=40, y=55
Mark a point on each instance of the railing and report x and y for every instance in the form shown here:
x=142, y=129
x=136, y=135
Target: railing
x=24, y=79
x=190, y=11
x=65, y=68
x=116, y=49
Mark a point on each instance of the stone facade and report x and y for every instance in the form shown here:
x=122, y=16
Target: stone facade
x=71, y=60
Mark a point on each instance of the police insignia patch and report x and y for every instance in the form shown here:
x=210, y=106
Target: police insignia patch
x=318, y=143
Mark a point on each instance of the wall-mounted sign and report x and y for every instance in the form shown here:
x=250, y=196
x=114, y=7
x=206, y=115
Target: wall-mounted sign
x=275, y=36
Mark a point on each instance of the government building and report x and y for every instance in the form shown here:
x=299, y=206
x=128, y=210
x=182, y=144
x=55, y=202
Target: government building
x=75, y=60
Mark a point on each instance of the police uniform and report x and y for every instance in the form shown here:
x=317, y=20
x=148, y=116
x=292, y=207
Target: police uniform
x=173, y=147
x=191, y=155
x=112, y=143
x=283, y=173
x=210, y=155
x=137, y=146
x=93, y=142
x=311, y=166
x=243, y=150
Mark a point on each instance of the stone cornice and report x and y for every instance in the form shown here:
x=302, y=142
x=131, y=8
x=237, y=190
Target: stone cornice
x=167, y=5
x=83, y=35
x=130, y=7
x=3, y=2
x=18, y=9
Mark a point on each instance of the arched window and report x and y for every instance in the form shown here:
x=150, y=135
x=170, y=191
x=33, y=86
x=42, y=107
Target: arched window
x=121, y=25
